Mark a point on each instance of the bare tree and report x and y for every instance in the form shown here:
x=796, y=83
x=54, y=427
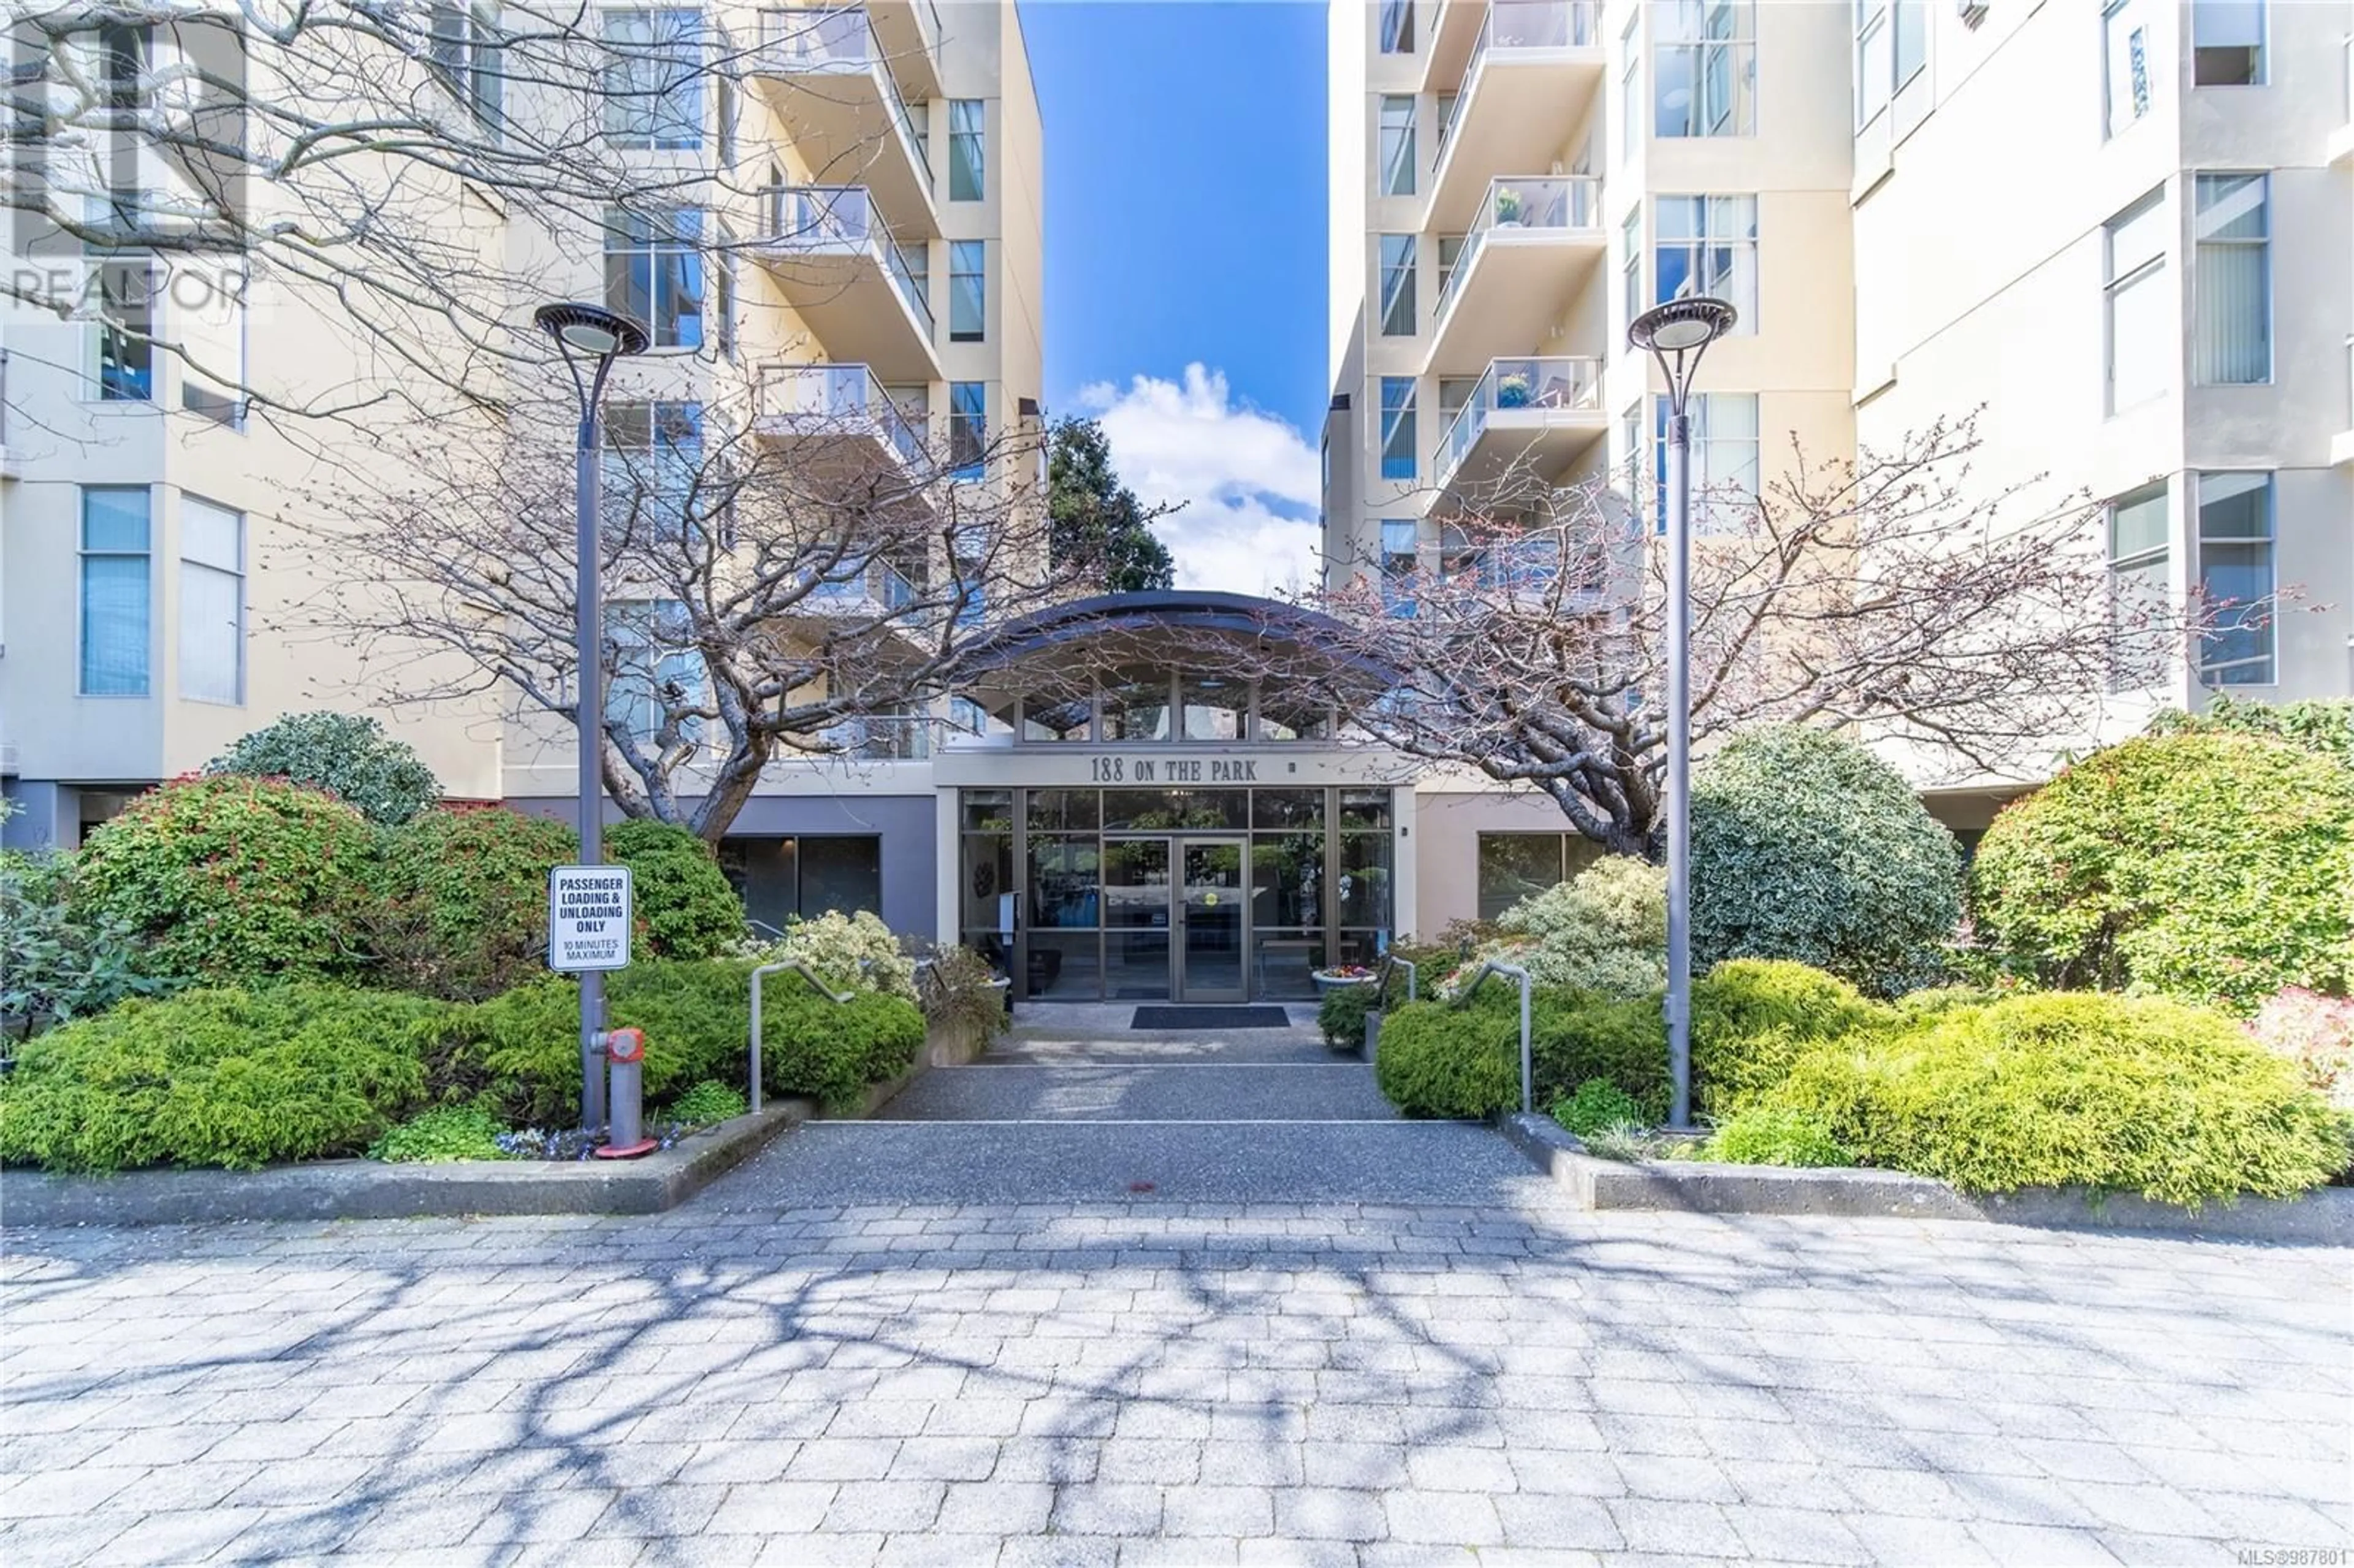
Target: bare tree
x=1889, y=595
x=799, y=585
x=408, y=176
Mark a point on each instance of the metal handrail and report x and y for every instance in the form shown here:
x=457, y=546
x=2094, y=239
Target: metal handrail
x=763, y=972
x=1513, y=971
x=1391, y=961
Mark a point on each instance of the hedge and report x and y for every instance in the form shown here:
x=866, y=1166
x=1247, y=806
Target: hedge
x=683, y=902
x=2206, y=866
x=462, y=900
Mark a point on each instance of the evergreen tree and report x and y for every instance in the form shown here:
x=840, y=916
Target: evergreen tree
x=1099, y=527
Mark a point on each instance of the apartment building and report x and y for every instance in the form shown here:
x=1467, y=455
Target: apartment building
x=875, y=190
x=2124, y=231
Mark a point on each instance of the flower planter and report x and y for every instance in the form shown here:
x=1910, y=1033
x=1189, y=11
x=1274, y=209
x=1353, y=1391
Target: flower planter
x=1328, y=982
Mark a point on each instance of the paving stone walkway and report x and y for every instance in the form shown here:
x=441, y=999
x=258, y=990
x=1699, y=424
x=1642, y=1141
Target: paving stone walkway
x=1049, y=1373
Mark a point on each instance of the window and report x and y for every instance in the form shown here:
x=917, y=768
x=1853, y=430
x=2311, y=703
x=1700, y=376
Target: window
x=724, y=113
x=2231, y=274
x=653, y=272
x=786, y=879
x=657, y=670
x=2235, y=578
x=968, y=427
x=1631, y=88
x=1397, y=26
x=653, y=79
x=653, y=461
x=1630, y=246
x=1891, y=45
x=114, y=591
x=967, y=161
x=212, y=602
x=723, y=299
x=1515, y=865
x=1703, y=72
x=1398, y=426
x=2125, y=46
x=2227, y=43
x=123, y=49
x=1723, y=458
x=968, y=291
x=2139, y=588
x=1399, y=305
x=210, y=296
x=2141, y=313
x=1397, y=144
x=1708, y=245
x=1400, y=558
x=126, y=330
x=464, y=51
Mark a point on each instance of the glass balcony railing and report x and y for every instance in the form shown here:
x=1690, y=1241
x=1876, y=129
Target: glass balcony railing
x=837, y=397
x=843, y=218
x=869, y=589
x=1513, y=25
x=1551, y=384
x=1556, y=203
x=883, y=738
x=812, y=43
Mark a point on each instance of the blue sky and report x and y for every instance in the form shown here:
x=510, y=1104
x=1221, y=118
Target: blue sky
x=1185, y=255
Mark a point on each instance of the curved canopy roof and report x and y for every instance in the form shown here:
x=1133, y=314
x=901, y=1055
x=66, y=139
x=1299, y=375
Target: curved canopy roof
x=1212, y=632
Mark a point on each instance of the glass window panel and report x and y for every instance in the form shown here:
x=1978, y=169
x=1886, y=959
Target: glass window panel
x=1398, y=426
x=1287, y=809
x=1288, y=879
x=1364, y=808
x=1065, y=967
x=1064, y=873
x=1167, y=811
x=2228, y=43
x=1063, y=811
x=1135, y=884
x=1513, y=866
x=1054, y=720
x=1214, y=707
x=988, y=883
x=1398, y=155
x=2235, y=507
x=988, y=809
x=968, y=291
x=114, y=518
x=1397, y=26
x=1364, y=887
x=1284, y=715
x=968, y=427
x=841, y=874
x=2137, y=523
x=1283, y=963
x=1136, y=706
x=1399, y=307
x=2233, y=308
x=966, y=159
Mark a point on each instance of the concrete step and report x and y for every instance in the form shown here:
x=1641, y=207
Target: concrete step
x=905, y=1163
x=1128, y=1092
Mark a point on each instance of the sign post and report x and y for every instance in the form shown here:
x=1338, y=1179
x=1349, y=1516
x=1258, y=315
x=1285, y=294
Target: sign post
x=589, y=915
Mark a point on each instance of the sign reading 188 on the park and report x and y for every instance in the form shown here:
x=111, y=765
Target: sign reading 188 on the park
x=588, y=917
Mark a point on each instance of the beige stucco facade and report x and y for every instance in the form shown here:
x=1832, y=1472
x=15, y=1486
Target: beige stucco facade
x=1931, y=201
x=806, y=117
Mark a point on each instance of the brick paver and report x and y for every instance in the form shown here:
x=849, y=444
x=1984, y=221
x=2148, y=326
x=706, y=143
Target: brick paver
x=1149, y=1381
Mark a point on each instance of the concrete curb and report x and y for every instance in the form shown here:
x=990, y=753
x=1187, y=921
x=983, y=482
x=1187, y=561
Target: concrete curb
x=2322, y=1218
x=369, y=1190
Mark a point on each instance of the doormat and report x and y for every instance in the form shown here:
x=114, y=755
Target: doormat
x=1210, y=1018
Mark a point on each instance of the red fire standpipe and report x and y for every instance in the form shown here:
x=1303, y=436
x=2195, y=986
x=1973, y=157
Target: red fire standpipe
x=625, y=1050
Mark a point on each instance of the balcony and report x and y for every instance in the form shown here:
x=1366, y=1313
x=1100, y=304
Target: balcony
x=840, y=270
x=1532, y=245
x=828, y=75
x=1447, y=50
x=1535, y=68
x=859, y=592
x=909, y=32
x=882, y=738
x=837, y=418
x=1538, y=415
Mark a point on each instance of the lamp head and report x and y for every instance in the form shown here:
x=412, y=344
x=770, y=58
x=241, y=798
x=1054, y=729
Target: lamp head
x=1681, y=326
x=591, y=330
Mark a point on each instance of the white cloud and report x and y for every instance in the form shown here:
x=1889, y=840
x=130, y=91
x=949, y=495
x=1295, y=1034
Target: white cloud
x=1251, y=482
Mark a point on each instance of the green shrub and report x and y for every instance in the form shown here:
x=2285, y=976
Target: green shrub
x=1597, y=1104
x=1436, y=1060
x=233, y=880
x=1807, y=847
x=1752, y=1017
x=707, y=1104
x=1770, y=1135
x=850, y=952
x=2324, y=728
x=1340, y=1014
x=1605, y=931
x=1574, y=1038
x=348, y=756
x=2128, y=1094
x=462, y=900
x=441, y=1134
x=2206, y=866
x=220, y=1078
x=58, y=963
x=521, y=1051
x=683, y=904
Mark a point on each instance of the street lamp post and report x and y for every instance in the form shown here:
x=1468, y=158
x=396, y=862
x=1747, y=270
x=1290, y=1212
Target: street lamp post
x=590, y=338
x=1676, y=335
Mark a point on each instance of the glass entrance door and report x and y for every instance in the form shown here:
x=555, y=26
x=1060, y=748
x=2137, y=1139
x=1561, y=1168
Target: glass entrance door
x=1136, y=918
x=1212, y=927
